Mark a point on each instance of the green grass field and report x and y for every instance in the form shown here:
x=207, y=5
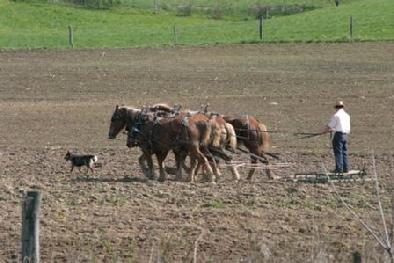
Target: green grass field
x=42, y=25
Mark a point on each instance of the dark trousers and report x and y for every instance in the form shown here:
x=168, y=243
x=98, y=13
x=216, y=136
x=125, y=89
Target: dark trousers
x=339, y=144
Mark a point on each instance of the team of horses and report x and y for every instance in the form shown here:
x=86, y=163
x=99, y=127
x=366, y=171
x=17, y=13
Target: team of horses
x=205, y=137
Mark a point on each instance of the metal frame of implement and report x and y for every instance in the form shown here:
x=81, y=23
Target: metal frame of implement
x=351, y=176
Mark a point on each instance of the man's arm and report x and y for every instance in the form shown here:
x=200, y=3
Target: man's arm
x=326, y=129
x=329, y=127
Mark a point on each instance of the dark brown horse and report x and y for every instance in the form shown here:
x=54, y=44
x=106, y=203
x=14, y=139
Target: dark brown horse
x=254, y=136
x=181, y=134
x=124, y=117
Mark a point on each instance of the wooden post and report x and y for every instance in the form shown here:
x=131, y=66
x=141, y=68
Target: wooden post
x=175, y=35
x=156, y=6
x=30, y=227
x=356, y=257
x=261, y=27
x=70, y=36
x=351, y=27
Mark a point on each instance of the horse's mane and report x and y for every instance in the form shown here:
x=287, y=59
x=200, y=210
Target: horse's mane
x=161, y=106
x=128, y=107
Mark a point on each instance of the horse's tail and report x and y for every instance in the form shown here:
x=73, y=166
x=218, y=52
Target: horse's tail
x=206, y=134
x=264, y=137
x=231, y=136
x=215, y=134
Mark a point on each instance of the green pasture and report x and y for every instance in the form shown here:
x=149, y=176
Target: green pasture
x=45, y=25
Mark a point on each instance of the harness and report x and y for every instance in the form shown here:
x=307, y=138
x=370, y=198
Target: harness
x=185, y=121
x=136, y=129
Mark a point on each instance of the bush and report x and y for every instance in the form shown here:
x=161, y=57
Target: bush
x=216, y=13
x=258, y=10
x=184, y=10
x=96, y=4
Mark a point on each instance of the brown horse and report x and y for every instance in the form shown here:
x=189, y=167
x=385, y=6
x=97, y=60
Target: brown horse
x=184, y=135
x=223, y=138
x=254, y=136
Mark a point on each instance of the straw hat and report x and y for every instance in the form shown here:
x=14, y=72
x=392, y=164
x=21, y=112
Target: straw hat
x=339, y=104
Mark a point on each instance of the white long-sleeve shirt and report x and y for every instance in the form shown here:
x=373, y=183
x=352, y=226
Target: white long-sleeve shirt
x=340, y=122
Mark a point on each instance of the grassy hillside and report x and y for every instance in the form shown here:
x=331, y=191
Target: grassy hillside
x=372, y=20
x=41, y=25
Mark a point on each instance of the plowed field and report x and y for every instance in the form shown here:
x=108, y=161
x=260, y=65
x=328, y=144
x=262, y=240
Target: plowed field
x=54, y=101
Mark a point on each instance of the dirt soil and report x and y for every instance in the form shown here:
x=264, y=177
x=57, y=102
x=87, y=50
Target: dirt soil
x=54, y=101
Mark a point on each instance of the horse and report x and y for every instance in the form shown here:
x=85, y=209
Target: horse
x=184, y=135
x=255, y=137
x=224, y=138
x=124, y=116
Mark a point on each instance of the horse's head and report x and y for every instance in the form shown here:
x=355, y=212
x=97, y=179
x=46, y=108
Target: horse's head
x=118, y=121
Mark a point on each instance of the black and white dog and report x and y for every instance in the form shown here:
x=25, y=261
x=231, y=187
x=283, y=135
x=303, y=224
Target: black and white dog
x=79, y=160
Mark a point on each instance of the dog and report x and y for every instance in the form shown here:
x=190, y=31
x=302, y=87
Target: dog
x=79, y=160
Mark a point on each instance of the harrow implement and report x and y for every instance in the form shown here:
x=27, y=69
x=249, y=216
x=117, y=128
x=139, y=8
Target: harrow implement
x=351, y=176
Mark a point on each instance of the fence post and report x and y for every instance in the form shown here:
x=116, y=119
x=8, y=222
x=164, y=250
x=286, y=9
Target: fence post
x=261, y=27
x=351, y=27
x=175, y=35
x=156, y=6
x=30, y=227
x=356, y=257
x=70, y=36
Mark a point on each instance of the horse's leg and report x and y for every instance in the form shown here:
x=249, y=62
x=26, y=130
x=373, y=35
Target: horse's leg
x=234, y=170
x=264, y=161
x=203, y=160
x=184, y=166
x=151, y=172
x=267, y=169
x=179, y=160
x=193, y=164
x=253, y=162
x=211, y=160
x=141, y=161
x=214, y=166
x=147, y=156
x=160, y=159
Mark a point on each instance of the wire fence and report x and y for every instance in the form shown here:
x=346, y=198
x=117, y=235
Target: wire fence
x=159, y=30
x=353, y=28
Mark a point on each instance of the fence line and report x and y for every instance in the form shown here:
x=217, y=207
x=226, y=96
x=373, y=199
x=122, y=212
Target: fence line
x=252, y=31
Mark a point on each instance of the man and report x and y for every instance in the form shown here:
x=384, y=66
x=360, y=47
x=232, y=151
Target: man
x=340, y=126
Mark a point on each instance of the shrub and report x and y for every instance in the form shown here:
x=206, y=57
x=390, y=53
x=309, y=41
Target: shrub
x=184, y=10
